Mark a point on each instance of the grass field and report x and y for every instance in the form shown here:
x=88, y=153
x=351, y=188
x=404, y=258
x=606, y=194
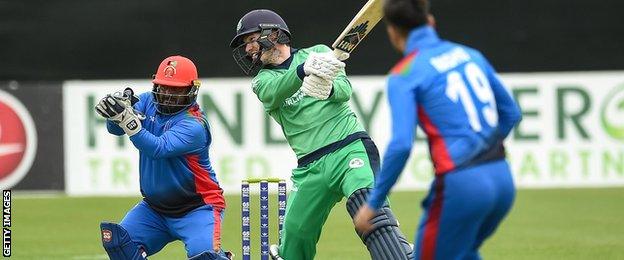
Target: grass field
x=544, y=224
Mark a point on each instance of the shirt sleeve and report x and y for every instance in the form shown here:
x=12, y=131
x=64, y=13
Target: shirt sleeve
x=341, y=91
x=402, y=99
x=144, y=98
x=187, y=136
x=508, y=110
x=273, y=88
x=113, y=128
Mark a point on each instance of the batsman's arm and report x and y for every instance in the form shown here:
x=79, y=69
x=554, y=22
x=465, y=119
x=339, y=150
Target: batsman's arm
x=342, y=90
x=187, y=136
x=273, y=88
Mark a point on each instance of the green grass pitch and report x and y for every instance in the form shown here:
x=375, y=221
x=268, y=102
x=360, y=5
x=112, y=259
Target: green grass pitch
x=544, y=224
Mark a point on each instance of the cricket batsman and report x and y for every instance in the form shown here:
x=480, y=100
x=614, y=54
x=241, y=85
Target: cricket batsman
x=456, y=97
x=182, y=199
x=306, y=92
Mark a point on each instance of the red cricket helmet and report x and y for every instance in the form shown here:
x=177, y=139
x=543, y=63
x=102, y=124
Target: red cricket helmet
x=179, y=75
x=176, y=71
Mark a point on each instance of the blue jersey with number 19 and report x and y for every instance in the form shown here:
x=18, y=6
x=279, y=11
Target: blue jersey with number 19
x=454, y=94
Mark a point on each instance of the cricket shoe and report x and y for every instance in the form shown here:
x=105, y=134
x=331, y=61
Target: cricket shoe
x=274, y=252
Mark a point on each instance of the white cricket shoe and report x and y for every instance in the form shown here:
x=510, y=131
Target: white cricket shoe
x=274, y=252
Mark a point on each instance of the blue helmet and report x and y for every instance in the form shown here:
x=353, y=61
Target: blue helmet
x=258, y=20
x=272, y=29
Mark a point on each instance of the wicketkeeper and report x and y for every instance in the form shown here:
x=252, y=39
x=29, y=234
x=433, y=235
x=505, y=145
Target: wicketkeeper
x=182, y=199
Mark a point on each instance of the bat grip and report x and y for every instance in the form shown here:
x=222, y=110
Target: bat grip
x=341, y=55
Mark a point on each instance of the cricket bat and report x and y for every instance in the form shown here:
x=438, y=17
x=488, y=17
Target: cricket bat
x=358, y=28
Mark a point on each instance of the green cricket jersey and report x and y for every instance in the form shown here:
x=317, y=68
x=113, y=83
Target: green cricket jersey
x=307, y=123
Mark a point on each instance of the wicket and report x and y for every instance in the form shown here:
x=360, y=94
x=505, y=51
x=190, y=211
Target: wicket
x=264, y=214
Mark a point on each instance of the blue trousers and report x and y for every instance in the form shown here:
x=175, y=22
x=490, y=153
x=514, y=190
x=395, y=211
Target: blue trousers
x=200, y=229
x=462, y=209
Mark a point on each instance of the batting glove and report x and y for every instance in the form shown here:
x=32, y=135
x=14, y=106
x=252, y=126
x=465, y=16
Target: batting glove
x=317, y=87
x=324, y=65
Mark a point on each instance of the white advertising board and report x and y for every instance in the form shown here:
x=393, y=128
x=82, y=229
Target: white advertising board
x=572, y=133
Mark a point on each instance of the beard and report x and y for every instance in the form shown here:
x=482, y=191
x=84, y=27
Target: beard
x=270, y=56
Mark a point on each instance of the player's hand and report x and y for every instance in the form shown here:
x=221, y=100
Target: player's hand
x=111, y=107
x=362, y=219
x=324, y=65
x=118, y=108
x=130, y=121
x=316, y=87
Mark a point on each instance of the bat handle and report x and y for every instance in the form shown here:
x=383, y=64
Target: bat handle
x=341, y=55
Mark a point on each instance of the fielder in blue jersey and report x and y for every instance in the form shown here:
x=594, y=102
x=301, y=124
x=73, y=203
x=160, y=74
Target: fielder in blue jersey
x=454, y=94
x=182, y=199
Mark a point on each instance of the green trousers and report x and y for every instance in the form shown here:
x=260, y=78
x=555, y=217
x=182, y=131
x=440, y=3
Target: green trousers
x=317, y=187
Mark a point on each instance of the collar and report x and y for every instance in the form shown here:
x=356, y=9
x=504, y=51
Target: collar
x=286, y=63
x=420, y=37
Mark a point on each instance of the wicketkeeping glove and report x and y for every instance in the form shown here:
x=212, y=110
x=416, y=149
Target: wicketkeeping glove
x=129, y=94
x=130, y=121
x=118, y=109
x=324, y=65
x=111, y=107
x=316, y=87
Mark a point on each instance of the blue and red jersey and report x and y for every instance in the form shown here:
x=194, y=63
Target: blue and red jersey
x=174, y=170
x=456, y=97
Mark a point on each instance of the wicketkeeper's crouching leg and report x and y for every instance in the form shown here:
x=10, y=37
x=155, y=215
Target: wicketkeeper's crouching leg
x=118, y=244
x=385, y=240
